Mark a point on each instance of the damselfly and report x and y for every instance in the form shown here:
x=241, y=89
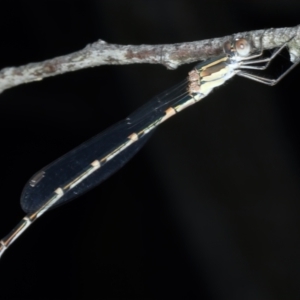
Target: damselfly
x=95, y=160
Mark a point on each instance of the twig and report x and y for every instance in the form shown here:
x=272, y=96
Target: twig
x=172, y=56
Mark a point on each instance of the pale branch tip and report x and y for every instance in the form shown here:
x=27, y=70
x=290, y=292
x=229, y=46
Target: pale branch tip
x=170, y=55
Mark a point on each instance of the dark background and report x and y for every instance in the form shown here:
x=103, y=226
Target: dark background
x=208, y=209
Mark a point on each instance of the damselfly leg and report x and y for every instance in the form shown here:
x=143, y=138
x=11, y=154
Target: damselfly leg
x=246, y=64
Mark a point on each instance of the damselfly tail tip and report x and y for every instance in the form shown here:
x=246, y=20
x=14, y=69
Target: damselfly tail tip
x=2, y=248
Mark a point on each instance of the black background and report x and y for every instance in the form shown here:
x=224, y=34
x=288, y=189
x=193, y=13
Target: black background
x=209, y=209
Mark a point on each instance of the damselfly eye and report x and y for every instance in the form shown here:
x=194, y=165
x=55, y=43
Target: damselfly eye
x=243, y=47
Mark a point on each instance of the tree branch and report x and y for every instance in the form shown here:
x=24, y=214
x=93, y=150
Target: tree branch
x=171, y=56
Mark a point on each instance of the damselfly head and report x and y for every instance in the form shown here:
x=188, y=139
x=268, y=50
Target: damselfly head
x=241, y=47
